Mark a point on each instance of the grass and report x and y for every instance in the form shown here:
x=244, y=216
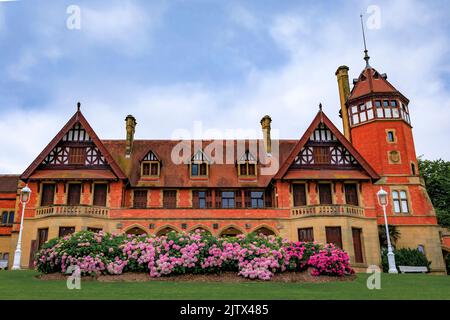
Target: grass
x=23, y=285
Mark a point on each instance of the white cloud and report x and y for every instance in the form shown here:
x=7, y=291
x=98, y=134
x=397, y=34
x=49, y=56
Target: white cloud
x=123, y=25
x=291, y=93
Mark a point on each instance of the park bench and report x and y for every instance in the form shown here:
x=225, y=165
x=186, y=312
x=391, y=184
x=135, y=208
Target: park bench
x=3, y=264
x=409, y=269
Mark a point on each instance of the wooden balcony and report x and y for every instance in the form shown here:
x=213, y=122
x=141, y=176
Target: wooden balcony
x=327, y=210
x=62, y=210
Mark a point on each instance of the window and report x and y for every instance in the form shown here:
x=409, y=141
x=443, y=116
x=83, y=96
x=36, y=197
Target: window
x=199, y=169
x=5, y=217
x=351, y=194
x=96, y=230
x=65, y=231
x=391, y=136
x=100, y=192
x=400, y=200
x=228, y=199
x=325, y=195
x=393, y=103
x=254, y=199
x=322, y=155
x=357, y=245
x=201, y=199
x=150, y=169
x=385, y=103
x=334, y=236
x=299, y=195
x=306, y=235
x=42, y=237
x=74, y=194
x=140, y=199
x=247, y=169
x=11, y=217
x=6, y=256
x=268, y=198
x=378, y=103
x=48, y=194
x=169, y=199
x=421, y=248
x=77, y=155
x=199, y=165
x=413, y=169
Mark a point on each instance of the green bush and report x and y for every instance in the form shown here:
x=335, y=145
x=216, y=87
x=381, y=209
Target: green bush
x=405, y=257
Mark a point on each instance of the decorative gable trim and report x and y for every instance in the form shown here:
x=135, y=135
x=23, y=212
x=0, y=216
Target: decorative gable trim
x=296, y=151
x=69, y=132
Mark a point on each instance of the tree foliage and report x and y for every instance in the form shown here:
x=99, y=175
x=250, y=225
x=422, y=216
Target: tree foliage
x=436, y=174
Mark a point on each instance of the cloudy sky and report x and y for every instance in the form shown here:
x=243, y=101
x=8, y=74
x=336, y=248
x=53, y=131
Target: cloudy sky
x=224, y=63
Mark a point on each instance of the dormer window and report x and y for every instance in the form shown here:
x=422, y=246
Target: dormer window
x=247, y=165
x=150, y=165
x=199, y=166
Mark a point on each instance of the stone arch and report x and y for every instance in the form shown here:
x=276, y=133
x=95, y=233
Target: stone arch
x=136, y=230
x=230, y=231
x=164, y=230
x=201, y=227
x=265, y=230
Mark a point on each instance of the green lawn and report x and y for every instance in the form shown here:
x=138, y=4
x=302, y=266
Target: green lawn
x=23, y=285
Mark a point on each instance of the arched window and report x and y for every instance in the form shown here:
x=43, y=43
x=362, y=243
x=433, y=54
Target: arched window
x=165, y=231
x=11, y=217
x=136, y=231
x=5, y=217
x=265, y=231
x=230, y=232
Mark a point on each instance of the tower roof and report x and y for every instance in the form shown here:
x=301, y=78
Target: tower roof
x=370, y=81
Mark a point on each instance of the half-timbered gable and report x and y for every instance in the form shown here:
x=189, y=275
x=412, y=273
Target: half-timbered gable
x=322, y=148
x=76, y=148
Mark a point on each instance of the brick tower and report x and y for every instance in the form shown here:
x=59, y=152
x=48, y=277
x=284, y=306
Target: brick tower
x=376, y=120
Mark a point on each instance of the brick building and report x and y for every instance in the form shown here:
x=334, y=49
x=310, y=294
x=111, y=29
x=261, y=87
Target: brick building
x=323, y=187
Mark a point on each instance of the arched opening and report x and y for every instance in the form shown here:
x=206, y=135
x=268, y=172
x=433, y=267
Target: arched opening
x=200, y=229
x=165, y=231
x=230, y=232
x=265, y=231
x=136, y=231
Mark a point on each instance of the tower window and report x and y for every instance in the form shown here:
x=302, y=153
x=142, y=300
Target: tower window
x=391, y=136
x=400, y=199
x=393, y=103
x=413, y=169
x=378, y=103
x=385, y=103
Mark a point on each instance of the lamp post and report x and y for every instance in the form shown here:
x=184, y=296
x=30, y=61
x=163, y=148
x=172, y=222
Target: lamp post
x=383, y=200
x=24, y=198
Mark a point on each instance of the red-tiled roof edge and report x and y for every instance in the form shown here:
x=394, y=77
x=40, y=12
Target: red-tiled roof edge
x=78, y=116
x=318, y=118
x=371, y=90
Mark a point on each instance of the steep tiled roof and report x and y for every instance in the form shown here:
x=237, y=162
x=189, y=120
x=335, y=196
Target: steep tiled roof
x=8, y=183
x=371, y=81
x=177, y=175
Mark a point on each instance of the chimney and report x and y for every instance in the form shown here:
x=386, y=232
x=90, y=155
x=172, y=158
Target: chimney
x=265, y=125
x=131, y=127
x=344, y=93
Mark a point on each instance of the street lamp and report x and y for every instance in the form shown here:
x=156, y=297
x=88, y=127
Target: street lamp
x=383, y=201
x=24, y=198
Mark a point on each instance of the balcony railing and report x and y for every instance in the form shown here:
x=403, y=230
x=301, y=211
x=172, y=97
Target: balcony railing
x=72, y=211
x=329, y=210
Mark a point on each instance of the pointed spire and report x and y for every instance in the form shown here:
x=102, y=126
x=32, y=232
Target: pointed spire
x=366, y=56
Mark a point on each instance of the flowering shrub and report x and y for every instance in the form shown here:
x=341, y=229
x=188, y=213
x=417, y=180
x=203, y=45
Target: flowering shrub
x=251, y=256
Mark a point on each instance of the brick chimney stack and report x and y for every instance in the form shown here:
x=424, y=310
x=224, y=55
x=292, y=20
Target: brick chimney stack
x=131, y=128
x=265, y=125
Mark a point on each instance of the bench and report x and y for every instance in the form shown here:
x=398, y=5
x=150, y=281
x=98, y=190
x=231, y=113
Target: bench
x=3, y=264
x=408, y=269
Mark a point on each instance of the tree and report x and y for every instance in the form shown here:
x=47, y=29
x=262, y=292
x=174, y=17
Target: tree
x=394, y=235
x=436, y=174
